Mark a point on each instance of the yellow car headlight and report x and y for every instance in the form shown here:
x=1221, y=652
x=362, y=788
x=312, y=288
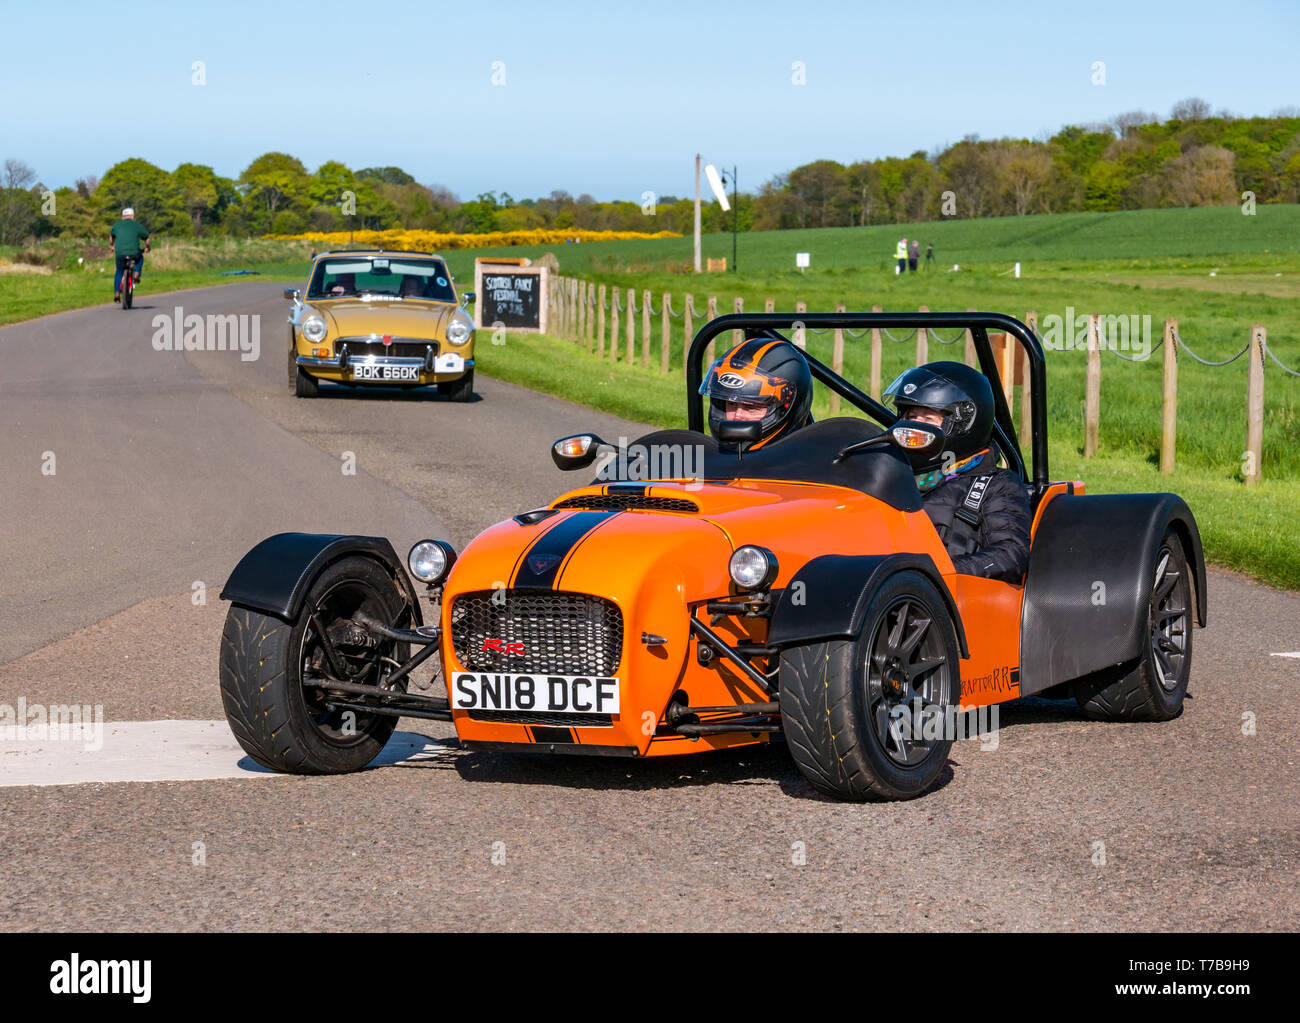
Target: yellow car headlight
x=458, y=331
x=314, y=329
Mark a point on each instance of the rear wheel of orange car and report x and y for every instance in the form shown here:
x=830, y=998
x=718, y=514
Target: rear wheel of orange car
x=1153, y=689
x=871, y=718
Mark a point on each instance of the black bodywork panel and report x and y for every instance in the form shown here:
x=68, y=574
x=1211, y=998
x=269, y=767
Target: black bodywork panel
x=836, y=591
x=1069, y=626
x=808, y=456
x=274, y=576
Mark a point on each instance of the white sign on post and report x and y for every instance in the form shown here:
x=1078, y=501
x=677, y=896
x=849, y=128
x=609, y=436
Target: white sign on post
x=802, y=260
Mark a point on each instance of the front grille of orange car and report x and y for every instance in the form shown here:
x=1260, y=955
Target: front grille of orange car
x=523, y=717
x=621, y=502
x=533, y=632
x=398, y=349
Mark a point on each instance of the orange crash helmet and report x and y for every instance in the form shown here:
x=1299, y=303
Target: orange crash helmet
x=760, y=389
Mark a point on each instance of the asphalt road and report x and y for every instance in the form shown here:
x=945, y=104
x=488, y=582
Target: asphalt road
x=168, y=466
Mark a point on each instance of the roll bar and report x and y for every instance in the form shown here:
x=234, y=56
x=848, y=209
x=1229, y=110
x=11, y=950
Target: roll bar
x=979, y=325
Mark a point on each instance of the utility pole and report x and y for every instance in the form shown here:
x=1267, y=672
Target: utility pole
x=697, y=213
x=735, y=215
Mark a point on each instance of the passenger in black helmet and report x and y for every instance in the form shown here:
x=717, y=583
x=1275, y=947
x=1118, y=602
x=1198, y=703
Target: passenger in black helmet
x=759, y=390
x=980, y=511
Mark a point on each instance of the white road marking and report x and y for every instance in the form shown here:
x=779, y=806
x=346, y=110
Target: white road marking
x=143, y=751
x=1293, y=653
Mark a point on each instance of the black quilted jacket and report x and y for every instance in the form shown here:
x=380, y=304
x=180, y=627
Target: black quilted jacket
x=1003, y=549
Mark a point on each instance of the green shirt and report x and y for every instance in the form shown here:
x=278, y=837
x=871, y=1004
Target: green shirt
x=128, y=237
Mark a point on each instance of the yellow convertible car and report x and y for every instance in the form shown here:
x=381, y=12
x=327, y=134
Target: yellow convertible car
x=383, y=319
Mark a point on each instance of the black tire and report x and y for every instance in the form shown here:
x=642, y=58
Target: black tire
x=304, y=384
x=128, y=292
x=837, y=695
x=282, y=724
x=293, y=363
x=458, y=390
x=1154, y=688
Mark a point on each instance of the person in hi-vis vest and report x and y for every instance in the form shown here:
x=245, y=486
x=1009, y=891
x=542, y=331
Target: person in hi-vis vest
x=900, y=254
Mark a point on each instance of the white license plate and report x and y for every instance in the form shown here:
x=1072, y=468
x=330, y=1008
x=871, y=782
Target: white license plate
x=366, y=371
x=541, y=694
x=449, y=363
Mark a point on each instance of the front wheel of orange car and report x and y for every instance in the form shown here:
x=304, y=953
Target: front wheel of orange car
x=872, y=718
x=280, y=679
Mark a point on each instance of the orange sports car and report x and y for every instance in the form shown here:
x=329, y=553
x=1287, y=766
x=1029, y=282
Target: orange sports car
x=691, y=598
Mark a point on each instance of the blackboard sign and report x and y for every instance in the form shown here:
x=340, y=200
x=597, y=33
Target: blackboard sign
x=513, y=297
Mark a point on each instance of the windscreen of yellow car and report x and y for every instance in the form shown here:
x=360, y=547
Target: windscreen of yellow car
x=381, y=277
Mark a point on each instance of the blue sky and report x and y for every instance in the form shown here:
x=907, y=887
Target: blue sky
x=608, y=99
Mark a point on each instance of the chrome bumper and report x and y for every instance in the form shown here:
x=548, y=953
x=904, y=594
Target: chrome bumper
x=344, y=361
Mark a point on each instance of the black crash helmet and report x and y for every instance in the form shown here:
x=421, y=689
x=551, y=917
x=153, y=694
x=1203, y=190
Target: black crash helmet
x=961, y=394
x=764, y=378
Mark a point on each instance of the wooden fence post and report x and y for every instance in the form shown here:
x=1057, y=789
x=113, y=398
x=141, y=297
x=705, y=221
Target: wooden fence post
x=712, y=314
x=600, y=322
x=737, y=306
x=837, y=360
x=1026, y=401
x=875, y=357
x=557, y=288
x=573, y=311
x=1255, y=407
x=645, y=329
x=1007, y=371
x=769, y=305
x=613, y=325
x=970, y=357
x=1092, y=394
x=922, y=340
x=799, y=338
x=1169, y=399
x=688, y=330
x=631, y=326
x=591, y=317
x=582, y=312
x=665, y=342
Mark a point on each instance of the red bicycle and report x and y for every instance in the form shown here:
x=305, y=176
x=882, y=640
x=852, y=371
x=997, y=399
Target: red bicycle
x=128, y=280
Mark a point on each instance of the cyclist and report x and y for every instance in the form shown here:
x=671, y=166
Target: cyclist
x=764, y=379
x=980, y=511
x=128, y=236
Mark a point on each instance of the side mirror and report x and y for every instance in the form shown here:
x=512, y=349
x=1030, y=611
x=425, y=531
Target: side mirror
x=292, y=294
x=576, y=452
x=918, y=441
x=735, y=434
x=466, y=297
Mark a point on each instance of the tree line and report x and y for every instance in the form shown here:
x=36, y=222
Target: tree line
x=1134, y=161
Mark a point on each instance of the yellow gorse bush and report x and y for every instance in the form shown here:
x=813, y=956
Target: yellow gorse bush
x=435, y=240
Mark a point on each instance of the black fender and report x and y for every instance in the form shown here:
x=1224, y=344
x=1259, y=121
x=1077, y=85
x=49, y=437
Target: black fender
x=1070, y=627
x=836, y=590
x=275, y=575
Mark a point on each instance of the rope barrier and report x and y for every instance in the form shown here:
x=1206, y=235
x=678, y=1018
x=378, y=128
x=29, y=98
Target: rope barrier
x=694, y=312
x=898, y=340
x=960, y=335
x=1281, y=366
x=671, y=314
x=1106, y=346
x=1207, y=362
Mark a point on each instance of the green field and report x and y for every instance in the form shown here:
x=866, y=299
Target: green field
x=1156, y=263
